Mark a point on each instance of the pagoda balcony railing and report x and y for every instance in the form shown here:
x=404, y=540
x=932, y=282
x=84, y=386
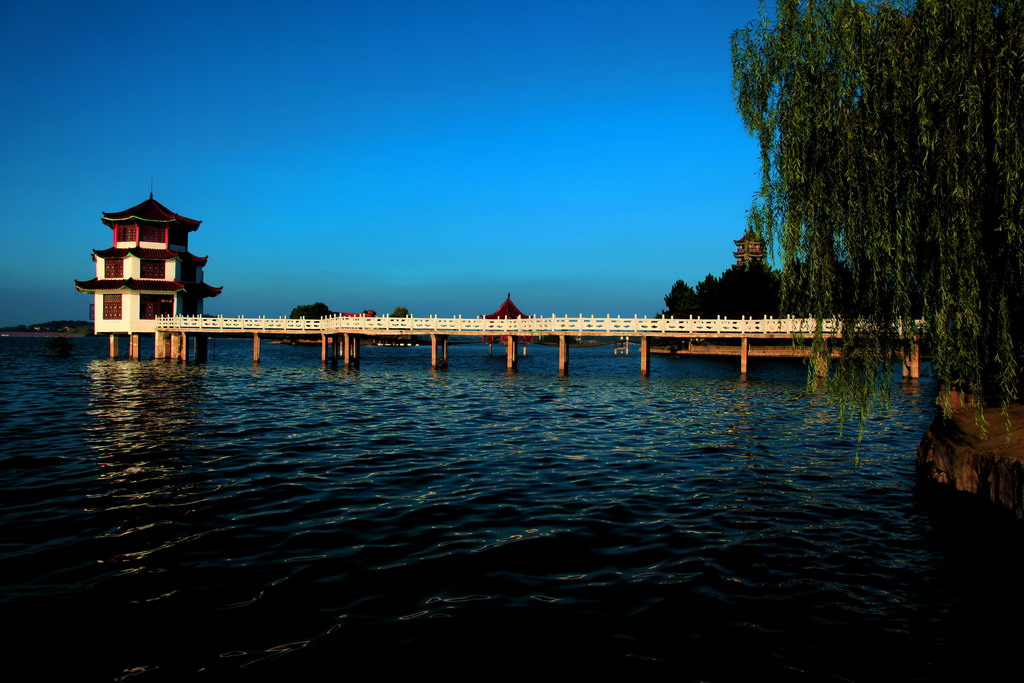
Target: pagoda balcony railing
x=581, y=325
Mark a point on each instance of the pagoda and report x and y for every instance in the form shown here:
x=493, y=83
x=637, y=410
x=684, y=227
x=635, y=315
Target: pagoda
x=147, y=272
x=748, y=248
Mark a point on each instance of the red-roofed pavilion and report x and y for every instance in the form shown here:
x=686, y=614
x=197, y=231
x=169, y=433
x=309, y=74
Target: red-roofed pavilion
x=507, y=310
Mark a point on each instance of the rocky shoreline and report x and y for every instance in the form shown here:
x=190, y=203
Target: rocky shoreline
x=953, y=453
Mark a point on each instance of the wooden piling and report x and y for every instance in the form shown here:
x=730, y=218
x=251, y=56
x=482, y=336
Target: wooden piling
x=350, y=349
x=438, y=350
x=160, y=344
x=563, y=354
x=744, y=350
x=912, y=362
x=115, y=346
x=511, y=360
x=645, y=355
x=255, y=347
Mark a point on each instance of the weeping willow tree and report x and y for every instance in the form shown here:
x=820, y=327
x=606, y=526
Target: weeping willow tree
x=892, y=154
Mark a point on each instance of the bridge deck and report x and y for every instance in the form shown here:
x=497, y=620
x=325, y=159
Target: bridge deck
x=340, y=336
x=764, y=328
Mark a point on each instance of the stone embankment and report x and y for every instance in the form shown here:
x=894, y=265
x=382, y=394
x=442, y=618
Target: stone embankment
x=953, y=452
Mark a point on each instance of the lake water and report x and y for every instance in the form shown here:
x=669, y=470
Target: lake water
x=289, y=521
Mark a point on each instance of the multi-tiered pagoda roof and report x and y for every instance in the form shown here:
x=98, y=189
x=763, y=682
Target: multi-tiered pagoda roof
x=150, y=211
x=163, y=225
x=108, y=285
x=151, y=254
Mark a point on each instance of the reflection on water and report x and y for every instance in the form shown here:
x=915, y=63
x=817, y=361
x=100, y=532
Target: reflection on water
x=175, y=521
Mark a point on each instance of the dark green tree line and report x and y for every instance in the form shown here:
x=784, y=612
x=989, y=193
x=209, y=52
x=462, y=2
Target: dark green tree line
x=750, y=290
x=317, y=310
x=892, y=162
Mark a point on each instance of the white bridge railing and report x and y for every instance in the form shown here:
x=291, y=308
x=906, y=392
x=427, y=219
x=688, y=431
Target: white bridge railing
x=584, y=326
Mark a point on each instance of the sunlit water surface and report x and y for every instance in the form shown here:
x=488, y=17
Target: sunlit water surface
x=224, y=521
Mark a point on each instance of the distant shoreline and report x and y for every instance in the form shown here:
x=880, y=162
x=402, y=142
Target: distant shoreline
x=42, y=334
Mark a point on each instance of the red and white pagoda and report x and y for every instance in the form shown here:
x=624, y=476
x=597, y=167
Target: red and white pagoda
x=749, y=248
x=148, y=272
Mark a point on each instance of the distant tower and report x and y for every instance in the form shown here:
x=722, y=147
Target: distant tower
x=748, y=248
x=147, y=272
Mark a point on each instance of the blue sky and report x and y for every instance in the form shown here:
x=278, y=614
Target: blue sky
x=431, y=154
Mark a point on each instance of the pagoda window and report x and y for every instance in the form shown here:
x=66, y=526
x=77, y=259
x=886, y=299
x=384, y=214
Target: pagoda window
x=154, y=305
x=151, y=233
x=127, y=233
x=111, y=306
x=113, y=268
x=153, y=270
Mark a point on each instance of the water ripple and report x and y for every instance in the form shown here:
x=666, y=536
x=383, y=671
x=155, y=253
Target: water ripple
x=241, y=521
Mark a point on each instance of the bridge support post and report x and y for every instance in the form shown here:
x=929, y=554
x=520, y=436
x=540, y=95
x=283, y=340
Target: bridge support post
x=350, y=346
x=115, y=346
x=912, y=362
x=175, y=340
x=744, y=350
x=159, y=350
x=335, y=347
x=645, y=355
x=511, y=361
x=183, y=347
x=438, y=342
x=563, y=354
x=133, y=346
x=255, y=347
x=323, y=347
x=821, y=363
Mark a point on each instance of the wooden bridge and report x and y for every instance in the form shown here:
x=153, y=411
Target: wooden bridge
x=341, y=336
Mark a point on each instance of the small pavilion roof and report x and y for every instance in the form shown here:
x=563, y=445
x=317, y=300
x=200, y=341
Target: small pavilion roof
x=507, y=310
x=150, y=211
x=153, y=254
